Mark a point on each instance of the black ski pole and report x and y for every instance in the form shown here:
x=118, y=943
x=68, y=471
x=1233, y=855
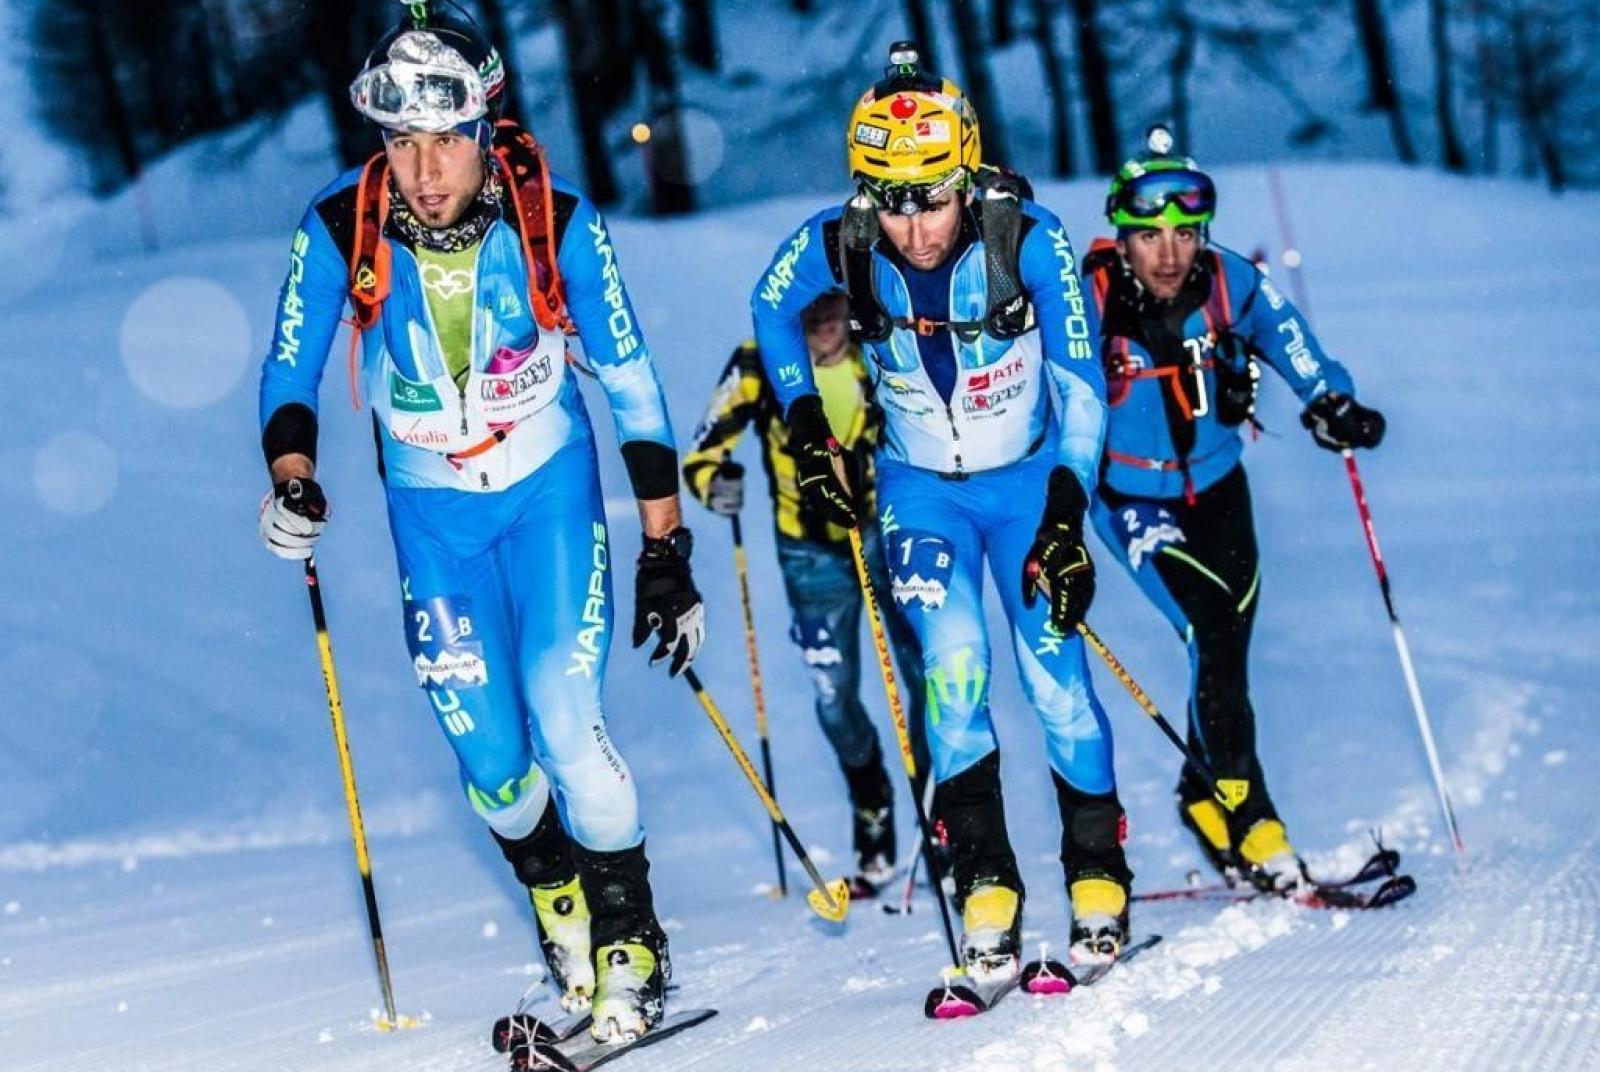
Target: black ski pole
x=352, y=802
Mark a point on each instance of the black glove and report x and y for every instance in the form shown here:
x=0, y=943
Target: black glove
x=1236, y=391
x=1058, y=562
x=725, y=490
x=665, y=601
x=293, y=517
x=1339, y=422
x=816, y=453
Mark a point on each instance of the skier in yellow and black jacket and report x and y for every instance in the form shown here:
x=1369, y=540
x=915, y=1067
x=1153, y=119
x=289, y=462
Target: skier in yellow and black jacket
x=814, y=556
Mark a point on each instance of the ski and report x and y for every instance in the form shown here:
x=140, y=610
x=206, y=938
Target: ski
x=1391, y=890
x=1045, y=976
x=1382, y=864
x=955, y=1000
x=580, y=1055
x=522, y=1028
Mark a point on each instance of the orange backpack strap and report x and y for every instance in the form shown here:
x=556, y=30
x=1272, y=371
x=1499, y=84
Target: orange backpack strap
x=369, y=253
x=1113, y=348
x=527, y=177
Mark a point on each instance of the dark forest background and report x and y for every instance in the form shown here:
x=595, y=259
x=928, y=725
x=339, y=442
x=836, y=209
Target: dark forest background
x=1514, y=84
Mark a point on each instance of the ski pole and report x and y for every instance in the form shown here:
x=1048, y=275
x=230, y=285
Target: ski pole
x=1142, y=698
x=743, y=567
x=830, y=900
x=904, y=907
x=1404, y=650
x=352, y=803
x=897, y=715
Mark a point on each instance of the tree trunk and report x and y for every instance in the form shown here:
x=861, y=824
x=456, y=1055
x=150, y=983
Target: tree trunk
x=1455, y=158
x=921, y=27
x=340, y=33
x=1062, y=159
x=1382, y=91
x=104, y=72
x=968, y=24
x=700, y=35
x=600, y=182
x=667, y=159
x=1535, y=100
x=505, y=43
x=1489, y=88
x=1181, y=68
x=1000, y=31
x=1097, y=90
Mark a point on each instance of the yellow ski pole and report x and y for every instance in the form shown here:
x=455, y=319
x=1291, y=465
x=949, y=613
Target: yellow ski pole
x=830, y=900
x=743, y=567
x=897, y=715
x=390, y=1021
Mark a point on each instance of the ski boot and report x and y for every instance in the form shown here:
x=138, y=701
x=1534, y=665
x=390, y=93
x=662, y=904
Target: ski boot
x=1269, y=861
x=630, y=994
x=1099, y=920
x=991, y=934
x=1093, y=827
x=630, y=957
x=1205, y=819
x=871, y=825
x=543, y=861
x=562, y=918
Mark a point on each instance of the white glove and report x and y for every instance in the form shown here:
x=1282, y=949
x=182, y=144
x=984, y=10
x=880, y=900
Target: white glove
x=293, y=515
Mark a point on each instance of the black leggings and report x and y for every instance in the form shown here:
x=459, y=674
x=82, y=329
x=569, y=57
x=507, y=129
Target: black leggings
x=1212, y=579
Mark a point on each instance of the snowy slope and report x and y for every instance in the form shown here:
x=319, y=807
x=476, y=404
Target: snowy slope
x=176, y=885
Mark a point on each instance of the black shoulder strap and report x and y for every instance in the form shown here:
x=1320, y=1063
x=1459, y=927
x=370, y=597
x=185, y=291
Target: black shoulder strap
x=858, y=234
x=1010, y=313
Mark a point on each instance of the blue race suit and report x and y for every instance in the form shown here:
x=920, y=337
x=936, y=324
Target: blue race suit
x=972, y=431
x=494, y=498
x=1173, y=503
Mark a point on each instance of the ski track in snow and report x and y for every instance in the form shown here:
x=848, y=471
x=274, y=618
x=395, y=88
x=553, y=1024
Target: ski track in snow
x=177, y=890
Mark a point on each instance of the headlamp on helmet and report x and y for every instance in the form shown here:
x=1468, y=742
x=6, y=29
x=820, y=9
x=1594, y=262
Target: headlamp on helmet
x=910, y=198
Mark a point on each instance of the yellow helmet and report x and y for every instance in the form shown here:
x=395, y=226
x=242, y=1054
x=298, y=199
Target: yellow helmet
x=911, y=127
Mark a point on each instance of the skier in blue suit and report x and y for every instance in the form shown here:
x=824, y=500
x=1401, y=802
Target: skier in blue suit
x=983, y=352
x=1186, y=325
x=467, y=265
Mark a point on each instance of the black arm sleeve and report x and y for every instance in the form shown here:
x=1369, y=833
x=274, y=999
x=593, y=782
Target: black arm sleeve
x=652, y=469
x=292, y=429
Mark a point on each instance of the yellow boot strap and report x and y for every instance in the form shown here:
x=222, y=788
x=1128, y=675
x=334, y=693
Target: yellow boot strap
x=991, y=907
x=1208, y=818
x=1265, y=840
x=1098, y=897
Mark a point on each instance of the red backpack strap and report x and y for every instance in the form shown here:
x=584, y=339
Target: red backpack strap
x=527, y=177
x=1219, y=304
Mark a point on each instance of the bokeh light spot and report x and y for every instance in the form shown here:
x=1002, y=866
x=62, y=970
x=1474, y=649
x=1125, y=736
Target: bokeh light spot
x=185, y=342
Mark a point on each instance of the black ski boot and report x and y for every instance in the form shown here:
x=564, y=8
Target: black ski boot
x=989, y=890
x=1098, y=880
x=630, y=949
x=543, y=862
x=871, y=824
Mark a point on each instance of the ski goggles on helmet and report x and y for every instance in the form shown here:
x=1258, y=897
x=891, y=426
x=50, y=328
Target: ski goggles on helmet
x=1177, y=197
x=908, y=199
x=425, y=87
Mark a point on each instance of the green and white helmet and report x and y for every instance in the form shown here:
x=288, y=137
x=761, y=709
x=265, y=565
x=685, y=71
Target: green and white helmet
x=1161, y=188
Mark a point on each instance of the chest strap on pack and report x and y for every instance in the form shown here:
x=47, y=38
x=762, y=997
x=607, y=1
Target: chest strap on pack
x=1009, y=314
x=526, y=175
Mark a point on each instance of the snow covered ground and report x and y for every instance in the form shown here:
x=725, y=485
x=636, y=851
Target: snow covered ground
x=177, y=889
